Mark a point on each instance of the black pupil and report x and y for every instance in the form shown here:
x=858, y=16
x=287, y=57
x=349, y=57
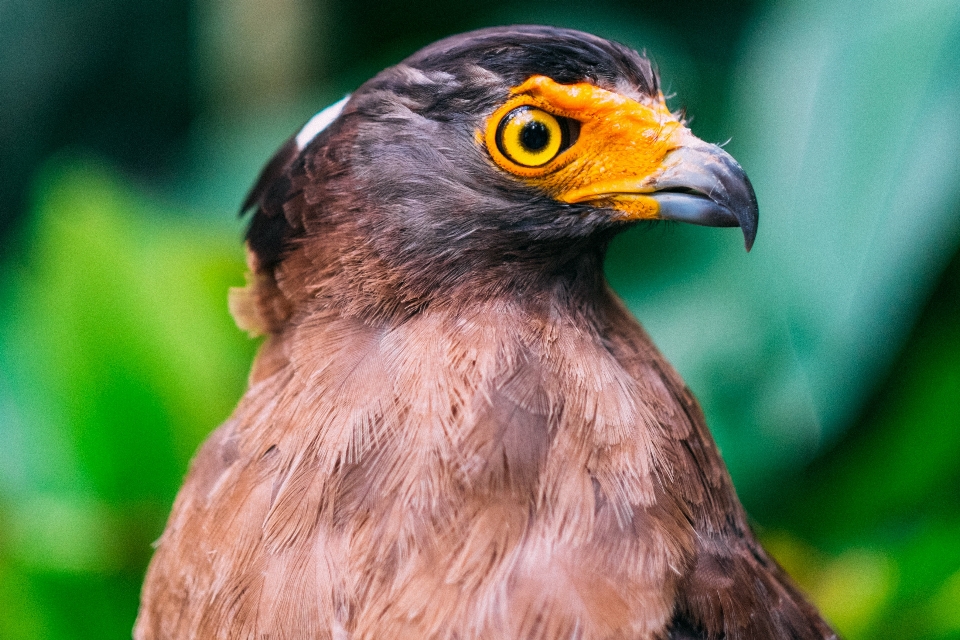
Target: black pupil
x=534, y=136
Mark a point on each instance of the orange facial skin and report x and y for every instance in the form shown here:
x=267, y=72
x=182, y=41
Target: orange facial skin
x=619, y=151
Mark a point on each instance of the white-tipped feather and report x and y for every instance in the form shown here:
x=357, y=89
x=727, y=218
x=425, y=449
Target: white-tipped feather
x=319, y=122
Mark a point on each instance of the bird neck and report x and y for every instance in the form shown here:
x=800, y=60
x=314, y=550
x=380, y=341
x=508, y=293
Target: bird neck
x=567, y=278
x=308, y=286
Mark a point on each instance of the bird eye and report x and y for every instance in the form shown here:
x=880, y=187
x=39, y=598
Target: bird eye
x=532, y=137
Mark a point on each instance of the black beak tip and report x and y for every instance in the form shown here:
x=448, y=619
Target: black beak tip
x=736, y=194
x=748, y=214
x=748, y=238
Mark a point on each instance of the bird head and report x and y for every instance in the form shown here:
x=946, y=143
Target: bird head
x=492, y=161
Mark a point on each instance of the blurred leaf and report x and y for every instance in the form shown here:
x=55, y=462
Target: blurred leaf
x=848, y=123
x=122, y=332
x=892, y=486
x=20, y=615
x=903, y=460
x=944, y=607
x=119, y=356
x=853, y=589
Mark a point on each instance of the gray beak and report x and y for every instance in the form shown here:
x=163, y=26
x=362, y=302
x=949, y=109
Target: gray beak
x=703, y=184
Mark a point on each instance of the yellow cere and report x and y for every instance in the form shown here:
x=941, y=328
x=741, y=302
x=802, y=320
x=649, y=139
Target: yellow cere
x=619, y=151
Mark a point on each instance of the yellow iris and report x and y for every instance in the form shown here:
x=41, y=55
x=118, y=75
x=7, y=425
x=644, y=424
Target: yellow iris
x=529, y=136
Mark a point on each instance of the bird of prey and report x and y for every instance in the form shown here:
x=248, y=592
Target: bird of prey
x=455, y=429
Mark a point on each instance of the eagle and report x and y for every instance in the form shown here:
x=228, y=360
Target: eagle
x=454, y=429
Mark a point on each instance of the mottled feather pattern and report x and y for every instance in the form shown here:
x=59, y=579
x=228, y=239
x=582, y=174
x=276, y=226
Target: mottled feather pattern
x=339, y=465
x=454, y=429
x=406, y=484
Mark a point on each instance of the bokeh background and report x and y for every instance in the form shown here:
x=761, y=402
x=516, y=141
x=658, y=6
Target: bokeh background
x=827, y=360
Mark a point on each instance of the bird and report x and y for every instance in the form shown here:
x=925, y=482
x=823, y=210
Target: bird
x=454, y=428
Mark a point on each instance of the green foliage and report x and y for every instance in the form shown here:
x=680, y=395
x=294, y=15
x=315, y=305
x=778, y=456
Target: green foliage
x=884, y=503
x=121, y=356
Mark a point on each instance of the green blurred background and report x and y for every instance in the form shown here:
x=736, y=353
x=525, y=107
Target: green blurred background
x=827, y=360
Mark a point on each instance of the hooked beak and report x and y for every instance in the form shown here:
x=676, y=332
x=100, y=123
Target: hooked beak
x=702, y=184
x=695, y=182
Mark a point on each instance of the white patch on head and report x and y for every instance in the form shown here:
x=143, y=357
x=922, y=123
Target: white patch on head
x=319, y=122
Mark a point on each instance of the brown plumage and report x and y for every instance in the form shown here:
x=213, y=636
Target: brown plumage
x=454, y=428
